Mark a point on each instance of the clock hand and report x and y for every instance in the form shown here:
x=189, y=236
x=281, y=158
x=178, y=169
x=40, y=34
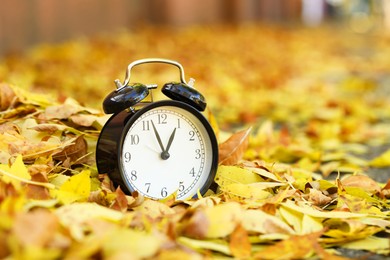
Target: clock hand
x=158, y=138
x=170, y=140
x=165, y=154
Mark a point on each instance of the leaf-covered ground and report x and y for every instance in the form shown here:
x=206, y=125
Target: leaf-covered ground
x=303, y=121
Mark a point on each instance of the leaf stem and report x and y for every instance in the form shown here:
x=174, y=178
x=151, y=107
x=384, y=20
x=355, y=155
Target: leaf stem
x=43, y=184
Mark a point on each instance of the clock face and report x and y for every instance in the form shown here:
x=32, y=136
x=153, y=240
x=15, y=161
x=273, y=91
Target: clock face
x=168, y=147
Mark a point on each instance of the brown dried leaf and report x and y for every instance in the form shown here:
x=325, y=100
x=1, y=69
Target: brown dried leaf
x=232, y=150
x=35, y=191
x=239, y=245
x=10, y=128
x=63, y=111
x=361, y=181
x=296, y=247
x=386, y=190
x=318, y=198
x=86, y=120
x=197, y=225
x=154, y=209
x=36, y=228
x=20, y=111
x=120, y=202
x=67, y=109
x=7, y=97
x=74, y=151
x=49, y=128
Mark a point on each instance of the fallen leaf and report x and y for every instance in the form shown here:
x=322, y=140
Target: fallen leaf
x=66, y=110
x=220, y=246
x=16, y=174
x=222, y=219
x=86, y=120
x=263, y=223
x=239, y=244
x=38, y=192
x=120, y=203
x=49, y=128
x=296, y=247
x=36, y=228
x=76, y=188
x=76, y=216
x=154, y=209
x=306, y=209
x=75, y=149
x=7, y=97
x=386, y=190
x=318, y=198
x=245, y=191
x=361, y=181
x=232, y=150
x=382, y=160
x=234, y=174
x=130, y=244
x=197, y=226
x=377, y=245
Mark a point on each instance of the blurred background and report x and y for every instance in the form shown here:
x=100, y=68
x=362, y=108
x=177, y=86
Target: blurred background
x=261, y=52
x=26, y=23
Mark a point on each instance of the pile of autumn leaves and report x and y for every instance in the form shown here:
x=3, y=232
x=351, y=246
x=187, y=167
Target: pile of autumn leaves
x=274, y=200
x=54, y=203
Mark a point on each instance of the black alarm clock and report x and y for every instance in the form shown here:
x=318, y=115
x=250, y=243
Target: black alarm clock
x=157, y=148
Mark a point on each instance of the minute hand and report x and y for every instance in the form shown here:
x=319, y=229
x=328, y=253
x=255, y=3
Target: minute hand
x=158, y=138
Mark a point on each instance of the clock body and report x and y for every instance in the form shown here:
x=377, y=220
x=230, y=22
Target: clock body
x=166, y=147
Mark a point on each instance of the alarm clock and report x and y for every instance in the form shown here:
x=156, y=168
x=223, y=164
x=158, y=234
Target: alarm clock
x=157, y=148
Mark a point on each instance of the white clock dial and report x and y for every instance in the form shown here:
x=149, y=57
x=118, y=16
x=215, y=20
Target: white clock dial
x=166, y=149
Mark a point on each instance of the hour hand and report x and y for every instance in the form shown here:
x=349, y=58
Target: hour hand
x=170, y=140
x=158, y=137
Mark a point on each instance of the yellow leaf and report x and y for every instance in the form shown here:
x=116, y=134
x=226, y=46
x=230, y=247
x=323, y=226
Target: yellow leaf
x=264, y=173
x=376, y=245
x=292, y=218
x=382, y=160
x=344, y=230
x=16, y=173
x=76, y=188
x=179, y=253
x=261, y=222
x=215, y=245
x=357, y=200
x=29, y=97
x=222, y=219
x=154, y=209
x=311, y=224
x=74, y=216
x=235, y=174
x=10, y=205
x=240, y=246
x=128, y=244
x=248, y=191
x=311, y=211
